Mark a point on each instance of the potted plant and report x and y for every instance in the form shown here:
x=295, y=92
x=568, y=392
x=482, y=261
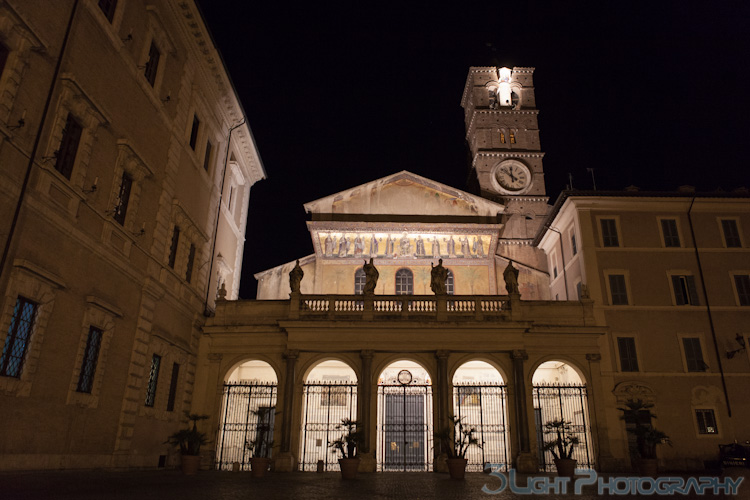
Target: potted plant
x=260, y=446
x=455, y=440
x=347, y=444
x=561, y=446
x=639, y=414
x=189, y=441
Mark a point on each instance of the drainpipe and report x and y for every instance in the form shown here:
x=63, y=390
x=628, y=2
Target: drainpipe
x=24, y=185
x=708, y=309
x=206, y=312
x=562, y=254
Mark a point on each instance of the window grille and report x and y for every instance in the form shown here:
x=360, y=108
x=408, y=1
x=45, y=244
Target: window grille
x=153, y=379
x=404, y=282
x=359, y=281
x=90, y=358
x=19, y=334
x=449, y=283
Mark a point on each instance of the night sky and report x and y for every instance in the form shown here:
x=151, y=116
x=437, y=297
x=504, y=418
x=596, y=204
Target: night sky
x=653, y=94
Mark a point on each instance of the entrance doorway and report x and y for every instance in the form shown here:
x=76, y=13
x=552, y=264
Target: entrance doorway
x=479, y=400
x=249, y=403
x=329, y=396
x=404, y=418
x=560, y=394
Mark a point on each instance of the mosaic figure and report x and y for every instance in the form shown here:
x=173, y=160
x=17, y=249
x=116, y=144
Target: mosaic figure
x=374, y=245
x=343, y=246
x=405, y=245
x=420, y=246
x=359, y=246
x=478, y=247
x=435, y=246
x=328, y=246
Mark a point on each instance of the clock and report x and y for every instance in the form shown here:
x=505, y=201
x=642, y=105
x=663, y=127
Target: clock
x=511, y=177
x=404, y=377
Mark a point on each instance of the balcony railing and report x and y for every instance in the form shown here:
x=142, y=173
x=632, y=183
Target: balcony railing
x=400, y=306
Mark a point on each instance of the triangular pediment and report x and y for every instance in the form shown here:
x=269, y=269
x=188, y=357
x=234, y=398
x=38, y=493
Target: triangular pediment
x=405, y=193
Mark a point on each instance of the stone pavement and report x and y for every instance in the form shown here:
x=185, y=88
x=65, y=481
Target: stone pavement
x=210, y=485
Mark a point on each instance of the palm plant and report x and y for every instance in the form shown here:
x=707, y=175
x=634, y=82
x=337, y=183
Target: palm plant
x=348, y=442
x=260, y=446
x=189, y=440
x=456, y=439
x=564, y=441
x=637, y=412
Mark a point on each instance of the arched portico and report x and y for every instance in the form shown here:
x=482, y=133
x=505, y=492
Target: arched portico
x=248, y=403
x=560, y=393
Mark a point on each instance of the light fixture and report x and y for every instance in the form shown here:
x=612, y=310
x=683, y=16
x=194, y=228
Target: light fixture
x=92, y=189
x=21, y=122
x=742, y=346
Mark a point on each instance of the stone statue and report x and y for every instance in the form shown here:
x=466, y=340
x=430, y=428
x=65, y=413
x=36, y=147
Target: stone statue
x=329, y=246
x=374, y=245
x=295, y=277
x=371, y=277
x=511, y=278
x=438, y=276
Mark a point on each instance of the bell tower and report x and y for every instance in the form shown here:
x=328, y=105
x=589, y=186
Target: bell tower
x=503, y=135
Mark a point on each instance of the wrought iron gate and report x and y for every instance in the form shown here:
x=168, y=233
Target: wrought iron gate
x=405, y=433
x=325, y=406
x=483, y=407
x=568, y=402
x=242, y=411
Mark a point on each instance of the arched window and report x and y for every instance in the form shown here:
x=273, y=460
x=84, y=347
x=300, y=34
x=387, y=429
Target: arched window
x=404, y=282
x=359, y=281
x=512, y=137
x=449, y=283
x=502, y=137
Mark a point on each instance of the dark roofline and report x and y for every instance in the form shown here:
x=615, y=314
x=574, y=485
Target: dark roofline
x=564, y=195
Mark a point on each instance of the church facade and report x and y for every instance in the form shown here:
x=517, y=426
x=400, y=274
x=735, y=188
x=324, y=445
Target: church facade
x=600, y=309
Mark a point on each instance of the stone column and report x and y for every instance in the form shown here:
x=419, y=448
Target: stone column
x=285, y=460
x=525, y=460
x=364, y=413
x=443, y=406
x=597, y=419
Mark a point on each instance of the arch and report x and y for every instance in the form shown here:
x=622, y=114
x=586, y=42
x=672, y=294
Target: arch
x=480, y=402
x=404, y=282
x=251, y=370
x=310, y=365
x=329, y=396
x=405, y=415
x=560, y=393
x=570, y=365
x=359, y=281
x=248, y=413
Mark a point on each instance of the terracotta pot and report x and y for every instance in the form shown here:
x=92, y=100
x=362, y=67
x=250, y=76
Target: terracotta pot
x=259, y=466
x=457, y=467
x=566, y=467
x=647, y=467
x=190, y=464
x=349, y=467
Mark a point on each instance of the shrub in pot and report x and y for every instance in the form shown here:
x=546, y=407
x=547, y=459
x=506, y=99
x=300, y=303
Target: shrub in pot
x=347, y=445
x=647, y=438
x=560, y=441
x=189, y=441
x=260, y=446
x=455, y=440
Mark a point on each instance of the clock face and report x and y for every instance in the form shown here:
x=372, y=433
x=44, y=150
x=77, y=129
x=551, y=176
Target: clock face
x=512, y=176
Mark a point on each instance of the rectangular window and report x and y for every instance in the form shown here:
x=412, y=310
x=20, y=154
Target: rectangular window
x=121, y=210
x=618, y=290
x=66, y=155
x=693, y=354
x=191, y=259
x=628, y=357
x=685, y=293
x=153, y=379
x=706, y=421
x=573, y=244
x=173, y=246
x=207, y=158
x=609, y=233
x=578, y=290
x=90, y=357
x=19, y=335
x=742, y=284
x=669, y=230
x=173, y=386
x=231, y=197
x=731, y=233
x=108, y=8
x=4, y=53
x=152, y=65
x=194, y=132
